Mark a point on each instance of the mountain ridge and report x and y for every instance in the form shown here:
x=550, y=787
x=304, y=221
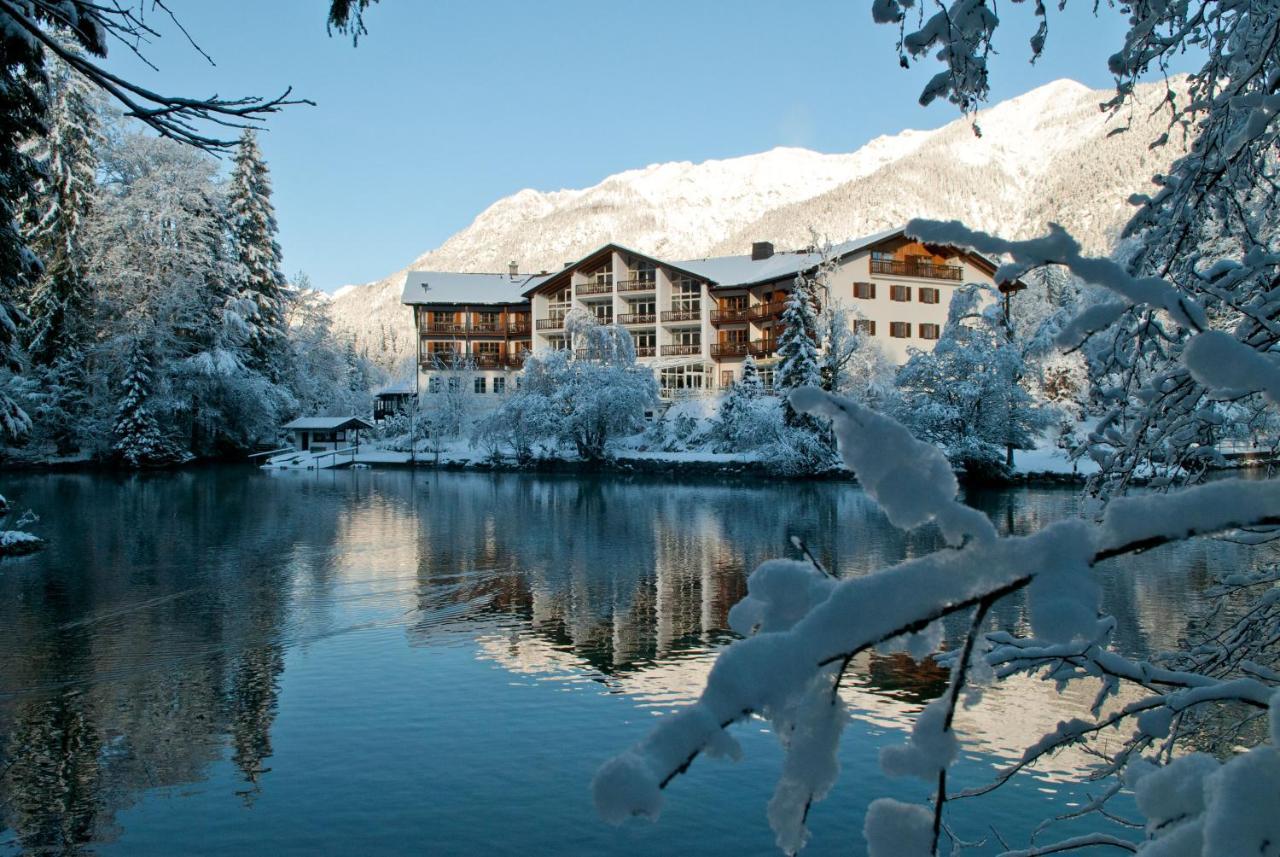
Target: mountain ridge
x=1048, y=154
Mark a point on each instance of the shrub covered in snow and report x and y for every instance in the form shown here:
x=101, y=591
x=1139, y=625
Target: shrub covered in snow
x=583, y=397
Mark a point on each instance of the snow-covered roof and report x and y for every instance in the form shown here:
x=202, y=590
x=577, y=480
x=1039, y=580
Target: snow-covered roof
x=446, y=287
x=400, y=388
x=745, y=271
x=327, y=423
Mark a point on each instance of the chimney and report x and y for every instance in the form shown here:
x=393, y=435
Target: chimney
x=513, y=269
x=761, y=250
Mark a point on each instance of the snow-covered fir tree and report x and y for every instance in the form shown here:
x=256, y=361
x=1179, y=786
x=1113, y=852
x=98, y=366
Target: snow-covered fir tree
x=798, y=346
x=254, y=229
x=138, y=439
x=737, y=415
x=60, y=302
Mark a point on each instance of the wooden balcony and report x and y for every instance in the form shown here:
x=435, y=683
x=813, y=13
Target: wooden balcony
x=594, y=288
x=517, y=327
x=637, y=318
x=760, y=312
x=763, y=347
x=730, y=349
x=442, y=358
x=637, y=285
x=681, y=350
x=913, y=268
x=730, y=316
x=552, y=323
x=448, y=327
x=681, y=315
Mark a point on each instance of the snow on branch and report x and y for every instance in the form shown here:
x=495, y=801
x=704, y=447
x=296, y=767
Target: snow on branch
x=801, y=628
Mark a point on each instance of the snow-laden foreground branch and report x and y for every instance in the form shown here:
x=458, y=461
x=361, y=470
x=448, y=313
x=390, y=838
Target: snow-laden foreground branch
x=802, y=628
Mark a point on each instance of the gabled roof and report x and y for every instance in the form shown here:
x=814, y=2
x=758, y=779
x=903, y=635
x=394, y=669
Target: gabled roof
x=400, y=388
x=447, y=287
x=327, y=423
x=726, y=271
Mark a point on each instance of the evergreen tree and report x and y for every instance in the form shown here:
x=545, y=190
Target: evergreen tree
x=22, y=110
x=138, y=440
x=798, y=348
x=253, y=225
x=59, y=304
x=737, y=403
x=60, y=200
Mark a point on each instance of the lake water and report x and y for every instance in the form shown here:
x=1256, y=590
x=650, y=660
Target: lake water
x=223, y=661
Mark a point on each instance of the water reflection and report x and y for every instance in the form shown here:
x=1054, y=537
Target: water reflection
x=148, y=646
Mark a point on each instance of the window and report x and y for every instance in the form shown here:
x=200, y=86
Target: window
x=726, y=378
x=603, y=313
x=648, y=307
x=739, y=335
x=766, y=378
x=681, y=378
x=558, y=303
x=686, y=296
x=899, y=293
x=455, y=384
x=929, y=331
x=687, y=337
x=481, y=386
x=601, y=276
x=433, y=384
x=928, y=295
x=864, y=291
x=643, y=271
x=486, y=322
x=499, y=386
x=900, y=329
x=864, y=327
x=645, y=343
x=490, y=348
x=734, y=302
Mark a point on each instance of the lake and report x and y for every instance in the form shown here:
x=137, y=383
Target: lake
x=379, y=662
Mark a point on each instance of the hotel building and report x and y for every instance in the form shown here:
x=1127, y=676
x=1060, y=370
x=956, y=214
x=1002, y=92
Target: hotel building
x=693, y=321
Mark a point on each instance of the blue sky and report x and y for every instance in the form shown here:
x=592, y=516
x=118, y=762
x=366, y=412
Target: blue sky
x=445, y=107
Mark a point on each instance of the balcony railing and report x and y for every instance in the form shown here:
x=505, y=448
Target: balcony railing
x=677, y=315
x=730, y=316
x=680, y=350
x=445, y=358
x=553, y=323
x=763, y=347
x=730, y=349
x=637, y=318
x=912, y=268
x=480, y=328
x=460, y=360
x=637, y=285
x=594, y=288
x=645, y=351
x=773, y=309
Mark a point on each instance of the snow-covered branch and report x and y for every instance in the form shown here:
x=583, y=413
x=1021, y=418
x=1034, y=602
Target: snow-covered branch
x=798, y=623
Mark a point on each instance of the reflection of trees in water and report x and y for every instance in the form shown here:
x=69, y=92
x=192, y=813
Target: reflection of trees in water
x=137, y=655
x=133, y=652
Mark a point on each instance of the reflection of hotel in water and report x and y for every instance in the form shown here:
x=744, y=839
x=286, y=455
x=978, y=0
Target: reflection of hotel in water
x=648, y=626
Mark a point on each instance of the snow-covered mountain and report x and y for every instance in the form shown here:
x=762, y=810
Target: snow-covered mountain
x=1048, y=155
